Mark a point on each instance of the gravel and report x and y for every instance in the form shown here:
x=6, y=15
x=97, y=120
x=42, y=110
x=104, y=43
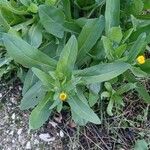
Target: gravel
x=14, y=131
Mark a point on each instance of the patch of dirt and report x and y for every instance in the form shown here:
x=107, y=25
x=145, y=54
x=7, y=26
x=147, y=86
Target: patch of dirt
x=14, y=132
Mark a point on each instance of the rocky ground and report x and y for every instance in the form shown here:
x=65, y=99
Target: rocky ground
x=14, y=132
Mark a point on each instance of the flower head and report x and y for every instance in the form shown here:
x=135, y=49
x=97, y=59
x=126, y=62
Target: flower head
x=141, y=59
x=63, y=96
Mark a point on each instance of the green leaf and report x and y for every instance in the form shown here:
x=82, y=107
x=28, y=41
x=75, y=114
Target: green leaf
x=3, y=22
x=125, y=88
x=29, y=81
x=40, y=113
x=119, y=51
x=55, y=103
x=5, y=61
x=25, y=54
x=34, y=37
x=25, y=2
x=143, y=92
x=33, y=8
x=7, y=5
x=93, y=98
x=89, y=35
x=108, y=46
x=136, y=7
x=139, y=31
x=45, y=78
x=108, y=86
x=78, y=119
x=146, y=4
x=127, y=34
x=67, y=9
x=59, y=107
x=50, y=2
x=139, y=87
x=94, y=90
x=137, y=47
x=138, y=72
x=32, y=97
x=110, y=107
x=67, y=58
x=102, y=72
x=146, y=66
x=52, y=19
x=83, y=110
x=105, y=94
x=72, y=27
x=141, y=145
x=115, y=34
x=139, y=23
x=112, y=14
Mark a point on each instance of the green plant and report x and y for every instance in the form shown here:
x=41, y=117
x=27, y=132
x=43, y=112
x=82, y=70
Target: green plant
x=74, y=61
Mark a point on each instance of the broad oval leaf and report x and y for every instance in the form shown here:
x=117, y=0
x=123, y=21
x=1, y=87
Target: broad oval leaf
x=25, y=54
x=102, y=72
x=52, y=19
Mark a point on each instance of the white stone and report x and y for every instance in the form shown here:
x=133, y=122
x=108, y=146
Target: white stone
x=13, y=116
x=20, y=88
x=61, y=133
x=13, y=141
x=19, y=131
x=1, y=95
x=13, y=100
x=11, y=133
x=46, y=137
x=54, y=124
x=28, y=145
x=36, y=142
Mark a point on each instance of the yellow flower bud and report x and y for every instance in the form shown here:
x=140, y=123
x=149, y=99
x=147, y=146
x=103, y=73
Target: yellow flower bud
x=63, y=96
x=141, y=59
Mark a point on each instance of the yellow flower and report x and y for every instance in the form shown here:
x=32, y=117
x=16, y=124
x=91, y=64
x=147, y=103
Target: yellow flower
x=141, y=59
x=63, y=96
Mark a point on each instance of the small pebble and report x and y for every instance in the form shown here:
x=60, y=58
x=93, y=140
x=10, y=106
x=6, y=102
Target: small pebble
x=54, y=124
x=13, y=141
x=13, y=100
x=36, y=142
x=20, y=88
x=19, y=131
x=46, y=137
x=11, y=132
x=61, y=133
x=13, y=116
x=1, y=95
x=28, y=145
